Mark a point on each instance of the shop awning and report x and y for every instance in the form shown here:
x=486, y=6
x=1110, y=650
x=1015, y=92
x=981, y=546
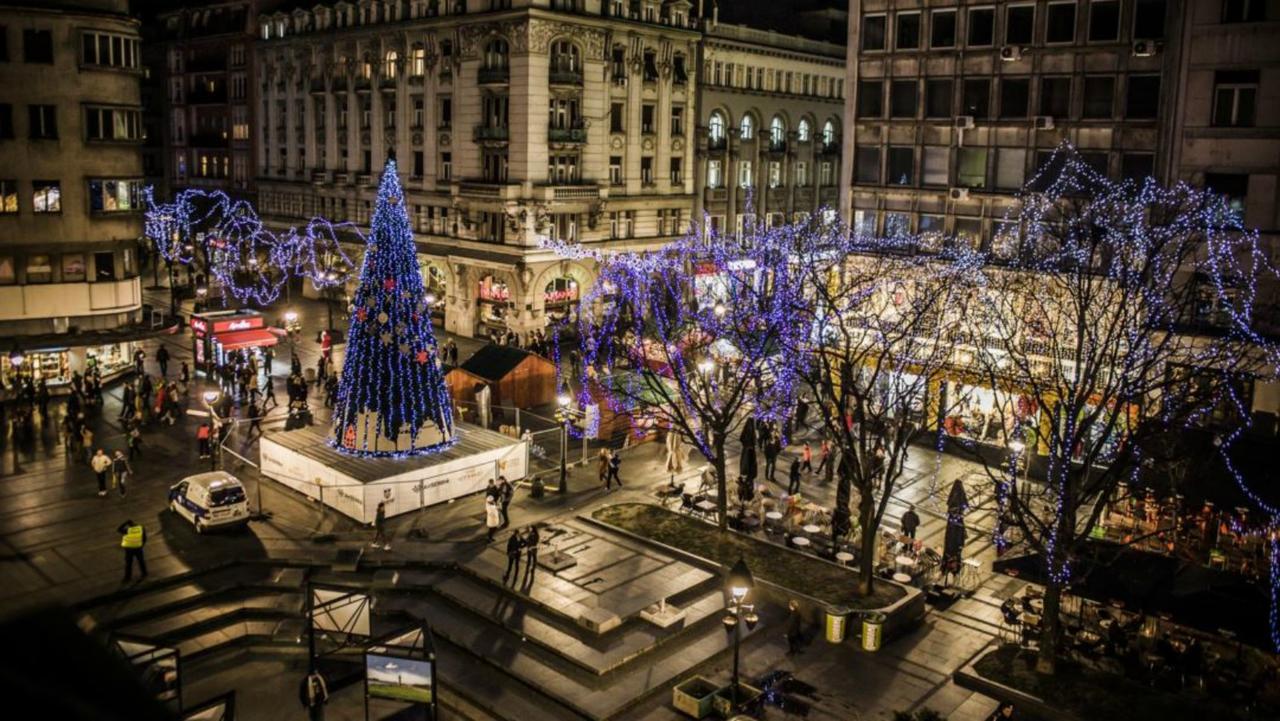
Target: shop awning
x=246, y=338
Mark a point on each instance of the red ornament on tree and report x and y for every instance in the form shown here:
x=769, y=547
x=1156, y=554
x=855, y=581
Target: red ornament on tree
x=422, y=357
x=389, y=284
x=361, y=313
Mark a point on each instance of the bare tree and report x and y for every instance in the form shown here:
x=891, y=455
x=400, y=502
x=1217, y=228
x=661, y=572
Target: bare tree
x=1119, y=314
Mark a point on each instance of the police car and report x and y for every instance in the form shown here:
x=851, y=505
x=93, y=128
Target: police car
x=210, y=500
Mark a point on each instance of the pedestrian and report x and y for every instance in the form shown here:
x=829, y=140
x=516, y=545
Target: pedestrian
x=135, y=441
x=162, y=357
x=492, y=519
x=515, y=545
x=321, y=370
x=824, y=456
x=126, y=401
x=331, y=391
x=86, y=442
x=380, y=527
x=615, y=462
x=139, y=356
x=254, y=415
x=531, y=540
x=268, y=357
x=505, y=492
x=269, y=392
x=326, y=345
x=133, y=538
x=771, y=451
x=184, y=373
x=120, y=471
x=314, y=694
x=101, y=463
x=42, y=399
x=491, y=490
x=793, y=487
x=202, y=440
x=795, y=628
x=295, y=365
x=603, y=467
x=806, y=457
x=910, y=522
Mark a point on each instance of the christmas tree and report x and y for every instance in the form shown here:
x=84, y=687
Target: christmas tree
x=392, y=400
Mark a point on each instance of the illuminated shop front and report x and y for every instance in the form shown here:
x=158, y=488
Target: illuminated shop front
x=216, y=334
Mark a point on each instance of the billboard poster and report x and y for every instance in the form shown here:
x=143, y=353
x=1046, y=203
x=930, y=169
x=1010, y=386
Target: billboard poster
x=399, y=679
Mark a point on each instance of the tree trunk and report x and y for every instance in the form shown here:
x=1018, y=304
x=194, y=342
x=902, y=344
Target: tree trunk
x=866, y=527
x=722, y=485
x=1050, y=629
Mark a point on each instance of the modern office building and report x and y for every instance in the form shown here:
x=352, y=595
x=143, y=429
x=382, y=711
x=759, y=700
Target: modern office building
x=70, y=188
x=512, y=121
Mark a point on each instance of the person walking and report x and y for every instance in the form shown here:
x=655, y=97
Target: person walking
x=793, y=476
x=139, y=356
x=380, y=527
x=531, y=540
x=806, y=457
x=602, y=459
x=86, y=442
x=120, y=471
x=910, y=521
x=824, y=456
x=505, y=493
x=515, y=545
x=202, y=440
x=126, y=401
x=184, y=373
x=795, y=628
x=101, y=463
x=492, y=519
x=772, y=448
x=254, y=415
x=314, y=694
x=269, y=392
x=162, y=357
x=331, y=391
x=133, y=538
x=615, y=462
x=135, y=441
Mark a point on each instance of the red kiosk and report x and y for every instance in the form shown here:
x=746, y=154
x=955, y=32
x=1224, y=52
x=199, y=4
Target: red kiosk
x=215, y=333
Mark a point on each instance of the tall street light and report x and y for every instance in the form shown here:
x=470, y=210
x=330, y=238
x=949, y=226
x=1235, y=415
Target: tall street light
x=739, y=584
x=566, y=415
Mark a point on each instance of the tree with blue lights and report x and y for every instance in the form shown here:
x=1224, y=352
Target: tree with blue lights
x=392, y=399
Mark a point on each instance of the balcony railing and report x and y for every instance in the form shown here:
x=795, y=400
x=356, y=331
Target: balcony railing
x=486, y=133
x=832, y=148
x=567, y=135
x=493, y=76
x=565, y=77
x=777, y=146
x=719, y=143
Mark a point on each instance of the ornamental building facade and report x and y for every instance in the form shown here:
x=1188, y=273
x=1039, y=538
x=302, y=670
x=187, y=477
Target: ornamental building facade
x=512, y=121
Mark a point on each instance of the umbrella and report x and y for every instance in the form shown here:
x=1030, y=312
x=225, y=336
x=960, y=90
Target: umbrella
x=747, y=464
x=953, y=542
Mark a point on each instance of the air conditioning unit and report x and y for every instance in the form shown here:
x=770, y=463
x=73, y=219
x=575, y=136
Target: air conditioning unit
x=959, y=194
x=1043, y=122
x=964, y=122
x=1009, y=53
x=1145, y=48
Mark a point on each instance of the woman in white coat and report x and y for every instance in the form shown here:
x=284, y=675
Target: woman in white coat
x=492, y=518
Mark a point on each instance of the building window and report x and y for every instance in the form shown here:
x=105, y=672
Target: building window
x=1104, y=21
x=419, y=108
x=647, y=112
x=715, y=129
x=982, y=27
x=1055, y=97
x=1148, y=19
x=418, y=61
x=1142, y=102
x=677, y=171
x=801, y=173
x=976, y=101
x=873, y=32
x=937, y=98
x=562, y=169
x=908, y=32
x=942, y=34
x=864, y=223
x=777, y=133
x=1137, y=166
x=935, y=164
x=746, y=179
x=804, y=131
x=108, y=51
x=1099, y=95
x=747, y=128
x=615, y=169
x=1244, y=11
x=37, y=46
x=1235, y=94
x=931, y=232
x=677, y=120
x=1233, y=186
x=446, y=112
x=1061, y=26
x=826, y=174
x=1014, y=96
x=113, y=124
x=8, y=197
x=42, y=122
x=4, y=44
x=866, y=164
x=902, y=166
x=775, y=174
x=646, y=170
x=418, y=165
x=1011, y=168
x=715, y=174
x=903, y=95
x=1020, y=22
x=495, y=55
x=46, y=196
x=616, y=118
x=650, y=66
x=870, y=99
x=115, y=196
x=828, y=134
x=971, y=167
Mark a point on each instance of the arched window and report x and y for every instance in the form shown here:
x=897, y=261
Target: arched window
x=391, y=64
x=777, y=131
x=828, y=133
x=495, y=54
x=366, y=67
x=747, y=128
x=803, y=131
x=565, y=57
x=715, y=128
x=418, y=61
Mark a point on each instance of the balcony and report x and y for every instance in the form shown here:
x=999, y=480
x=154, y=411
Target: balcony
x=483, y=134
x=493, y=76
x=717, y=195
x=831, y=148
x=567, y=135
x=341, y=177
x=364, y=179
x=362, y=83
x=207, y=97
x=207, y=140
x=386, y=81
x=488, y=189
x=719, y=143
x=319, y=177
x=776, y=147
x=565, y=77
x=340, y=83
x=317, y=85
x=579, y=190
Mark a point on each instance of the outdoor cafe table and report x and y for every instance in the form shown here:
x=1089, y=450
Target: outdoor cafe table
x=844, y=557
x=812, y=529
x=705, y=506
x=906, y=564
x=800, y=542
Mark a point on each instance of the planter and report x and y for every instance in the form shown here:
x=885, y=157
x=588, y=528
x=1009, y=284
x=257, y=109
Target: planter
x=724, y=706
x=693, y=697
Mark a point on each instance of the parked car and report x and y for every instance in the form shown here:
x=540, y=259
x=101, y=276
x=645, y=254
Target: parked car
x=210, y=500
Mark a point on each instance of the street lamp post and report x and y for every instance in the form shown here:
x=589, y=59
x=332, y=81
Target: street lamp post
x=739, y=585
x=565, y=415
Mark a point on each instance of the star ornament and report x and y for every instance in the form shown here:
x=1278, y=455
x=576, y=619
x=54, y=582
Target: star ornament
x=389, y=284
x=422, y=357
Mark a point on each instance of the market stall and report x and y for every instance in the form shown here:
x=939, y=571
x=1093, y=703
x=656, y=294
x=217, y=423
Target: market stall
x=216, y=333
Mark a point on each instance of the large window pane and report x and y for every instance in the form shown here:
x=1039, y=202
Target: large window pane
x=1019, y=24
x=901, y=166
x=982, y=27
x=1148, y=19
x=1014, y=96
x=1061, y=27
x=936, y=160
x=908, y=36
x=977, y=98
x=1104, y=20
x=1055, y=97
x=873, y=32
x=971, y=167
x=867, y=166
x=903, y=96
x=870, y=99
x=943, y=32
x=938, y=99
x=1143, y=99
x=1011, y=166
x=1099, y=94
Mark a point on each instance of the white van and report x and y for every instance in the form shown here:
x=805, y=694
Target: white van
x=210, y=500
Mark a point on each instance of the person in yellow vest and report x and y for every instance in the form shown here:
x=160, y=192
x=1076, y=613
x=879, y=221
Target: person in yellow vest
x=132, y=538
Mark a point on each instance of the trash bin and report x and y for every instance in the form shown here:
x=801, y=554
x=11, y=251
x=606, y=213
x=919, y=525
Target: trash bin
x=872, y=627
x=837, y=623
